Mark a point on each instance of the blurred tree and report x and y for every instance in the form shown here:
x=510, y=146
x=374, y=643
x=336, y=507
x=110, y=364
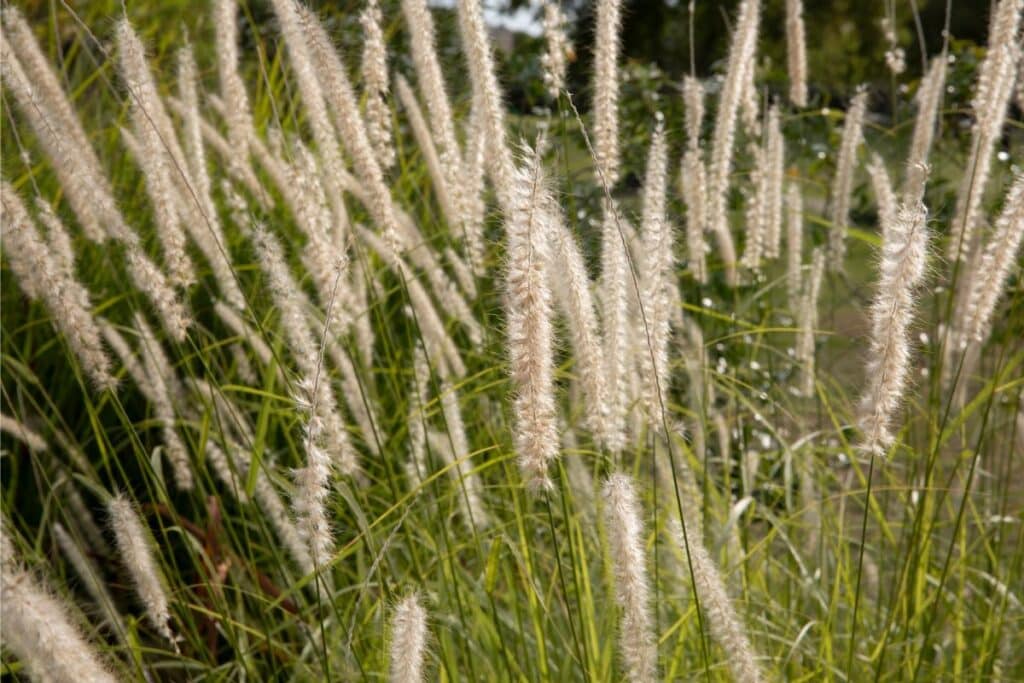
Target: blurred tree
x=845, y=38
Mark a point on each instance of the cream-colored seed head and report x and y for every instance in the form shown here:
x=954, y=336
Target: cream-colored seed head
x=487, y=104
x=659, y=291
x=741, y=57
x=408, y=641
x=606, y=89
x=555, y=60
x=637, y=644
x=529, y=331
x=157, y=153
x=135, y=549
x=988, y=280
x=794, y=243
x=902, y=269
x=990, y=104
x=374, y=68
x=929, y=102
x=37, y=627
x=842, y=183
x=721, y=617
x=614, y=284
x=46, y=274
x=796, y=52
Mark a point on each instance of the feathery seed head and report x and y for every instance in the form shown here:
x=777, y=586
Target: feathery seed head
x=408, y=641
x=842, y=184
x=632, y=589
x=606, y=89
x=136, y=552
x=902, y=269
x=555, y=60
x=796, y=52
x=528, y=323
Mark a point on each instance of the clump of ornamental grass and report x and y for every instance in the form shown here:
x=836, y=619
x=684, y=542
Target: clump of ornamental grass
x=370, y=307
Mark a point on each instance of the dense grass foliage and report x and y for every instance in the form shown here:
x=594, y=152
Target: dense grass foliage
x=319, y=364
